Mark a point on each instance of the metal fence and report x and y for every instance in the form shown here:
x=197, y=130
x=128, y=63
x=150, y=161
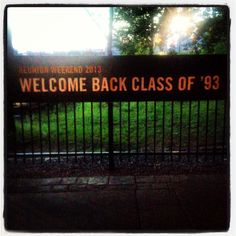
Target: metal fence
x=134, y=132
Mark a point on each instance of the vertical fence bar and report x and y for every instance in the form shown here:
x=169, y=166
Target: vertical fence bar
x=137, y=131
x=40, y=133
x=120, y=129
x=49, y=133
x=58, y=134
x=129, y=128
x=100, y=126
x=75, y=131
x=180, y=129
x=31, y=133
x=146, y=128
x=92, y=131
x=66, y=136
x=172, y=128
x=110, y=127
x=215, y=129
x=83, y=124
x=154, y=128
x=11, y=127
x=163, y=131
x=206, y=133
x=22, y=131
x=198, y=123
x=189, y=129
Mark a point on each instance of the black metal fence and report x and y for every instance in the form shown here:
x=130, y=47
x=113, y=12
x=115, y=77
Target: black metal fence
x=139, y=123
x=139, y=132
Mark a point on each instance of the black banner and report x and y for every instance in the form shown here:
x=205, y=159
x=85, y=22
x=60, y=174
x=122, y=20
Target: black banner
x=118, y=78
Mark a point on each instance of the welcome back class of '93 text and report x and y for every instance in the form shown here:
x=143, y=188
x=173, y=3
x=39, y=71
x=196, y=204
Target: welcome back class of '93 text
x=59, y=83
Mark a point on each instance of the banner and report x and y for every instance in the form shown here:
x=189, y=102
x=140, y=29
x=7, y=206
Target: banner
x=118, y=78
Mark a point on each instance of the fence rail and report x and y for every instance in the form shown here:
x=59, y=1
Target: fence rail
x=145, y=132
x=138, y=109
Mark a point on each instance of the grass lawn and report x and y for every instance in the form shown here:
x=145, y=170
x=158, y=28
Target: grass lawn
x=84, y=126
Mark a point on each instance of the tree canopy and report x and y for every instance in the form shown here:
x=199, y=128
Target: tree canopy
x=151, y=30
x=137, y=26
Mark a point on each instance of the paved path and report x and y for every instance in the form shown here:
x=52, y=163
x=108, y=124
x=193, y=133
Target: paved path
x=118, y=203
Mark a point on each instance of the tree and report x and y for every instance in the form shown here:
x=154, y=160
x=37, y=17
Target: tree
x=212, y=35
x=136, y=26
x=137, y=30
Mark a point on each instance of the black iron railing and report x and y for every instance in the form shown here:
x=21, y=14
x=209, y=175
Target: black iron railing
x=143, y=132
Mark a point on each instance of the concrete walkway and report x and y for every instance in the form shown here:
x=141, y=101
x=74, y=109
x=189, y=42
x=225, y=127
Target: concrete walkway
x=118, y=203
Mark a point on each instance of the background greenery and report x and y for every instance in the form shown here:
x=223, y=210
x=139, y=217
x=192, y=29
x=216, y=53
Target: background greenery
x=136, y=35
x=95, y=126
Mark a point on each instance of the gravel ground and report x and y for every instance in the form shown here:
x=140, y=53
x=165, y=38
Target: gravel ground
x=123, y=166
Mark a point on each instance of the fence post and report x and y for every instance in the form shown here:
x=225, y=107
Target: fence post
x=110, y=104
x=110, y=126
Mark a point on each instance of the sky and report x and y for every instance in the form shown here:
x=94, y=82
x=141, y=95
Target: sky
x=64, y=29
x=41, y=29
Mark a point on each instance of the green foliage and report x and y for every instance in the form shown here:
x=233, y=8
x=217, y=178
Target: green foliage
x=220, y=47
x=99, y=134
x=135, y=29
x=213, y=32
x=136, y=35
